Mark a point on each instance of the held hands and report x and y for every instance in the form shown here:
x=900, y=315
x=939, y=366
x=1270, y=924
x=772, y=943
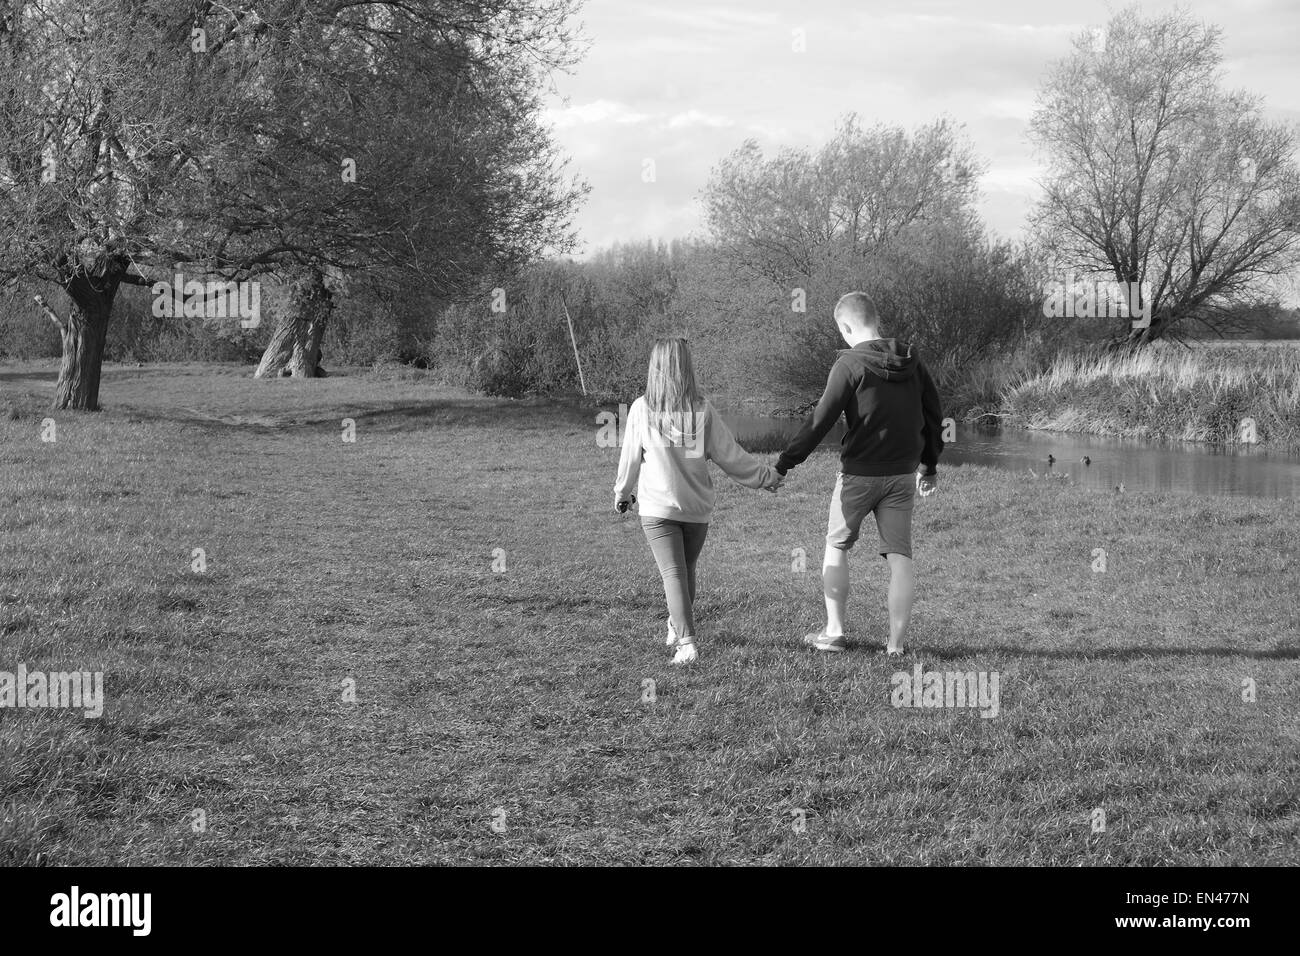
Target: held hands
x=926, y=485
x=775, y=481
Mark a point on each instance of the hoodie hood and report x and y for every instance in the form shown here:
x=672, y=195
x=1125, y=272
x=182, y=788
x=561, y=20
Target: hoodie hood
x=890, y=359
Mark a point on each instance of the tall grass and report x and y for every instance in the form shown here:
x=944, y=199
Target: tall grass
x=1166, y=392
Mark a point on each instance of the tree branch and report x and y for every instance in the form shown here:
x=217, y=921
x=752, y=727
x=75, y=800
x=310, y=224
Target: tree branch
x=40, y=300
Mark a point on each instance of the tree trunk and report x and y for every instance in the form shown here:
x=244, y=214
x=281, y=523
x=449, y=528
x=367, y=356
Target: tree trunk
x=1137, y=338
x=84, y=333
x=295, y=348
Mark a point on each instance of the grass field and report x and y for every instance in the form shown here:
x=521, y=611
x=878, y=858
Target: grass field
x=505, y=717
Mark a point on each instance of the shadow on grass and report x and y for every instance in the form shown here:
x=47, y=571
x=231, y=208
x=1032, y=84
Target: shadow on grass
x=49, y=376
x=1103, y=653
x=458, y=413
x=717, y=633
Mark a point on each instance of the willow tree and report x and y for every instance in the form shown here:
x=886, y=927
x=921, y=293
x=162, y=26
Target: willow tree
x=295, y=139
x=1161, y=180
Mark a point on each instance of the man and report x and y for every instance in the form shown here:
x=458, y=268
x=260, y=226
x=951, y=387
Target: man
x=894, y=420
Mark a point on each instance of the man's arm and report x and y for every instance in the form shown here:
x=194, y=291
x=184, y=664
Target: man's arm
x=839, y=390
x=932, y=421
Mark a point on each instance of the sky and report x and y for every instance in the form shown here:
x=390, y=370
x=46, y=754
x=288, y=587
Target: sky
x=682, y=83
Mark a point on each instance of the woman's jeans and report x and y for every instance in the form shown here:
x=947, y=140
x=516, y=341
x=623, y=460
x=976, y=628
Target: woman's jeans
x=676, y=546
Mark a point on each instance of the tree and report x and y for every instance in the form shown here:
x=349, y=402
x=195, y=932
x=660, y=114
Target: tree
x=448, y=178
x=99, y=168
x=238, y=167
x=1159, y=179
x=881, y=210
x=777, y=219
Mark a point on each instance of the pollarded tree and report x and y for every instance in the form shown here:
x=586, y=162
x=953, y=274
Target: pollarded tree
x=296, y=138
x=102, y=164
x=1161, y=180
x=410, y=148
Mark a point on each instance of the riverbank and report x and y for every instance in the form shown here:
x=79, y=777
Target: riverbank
x=1227, y=394
x=1215, y=393
x=399, y=642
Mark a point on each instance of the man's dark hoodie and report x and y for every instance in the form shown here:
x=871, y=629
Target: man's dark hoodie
x=892, y=408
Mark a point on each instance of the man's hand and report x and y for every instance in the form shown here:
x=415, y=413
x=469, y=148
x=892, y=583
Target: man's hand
x=926, y=485
x=777, y=480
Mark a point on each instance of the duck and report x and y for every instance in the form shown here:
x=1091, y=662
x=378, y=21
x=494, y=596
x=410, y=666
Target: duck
x=1086, y=460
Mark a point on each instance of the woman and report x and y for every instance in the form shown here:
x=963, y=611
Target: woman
x=672, y=432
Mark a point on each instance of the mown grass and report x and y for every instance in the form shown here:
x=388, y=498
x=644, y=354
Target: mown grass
x=1167, y=391
x=524, y=691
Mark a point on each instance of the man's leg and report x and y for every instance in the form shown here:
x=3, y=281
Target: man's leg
x=850, y=502
x=902, y=589
x=894, y=521
x=835, y=588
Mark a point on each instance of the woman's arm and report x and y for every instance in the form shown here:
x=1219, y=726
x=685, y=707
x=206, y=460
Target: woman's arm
x=629, y=462
x=720, y=447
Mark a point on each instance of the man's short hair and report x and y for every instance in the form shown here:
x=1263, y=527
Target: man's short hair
x=857, y=309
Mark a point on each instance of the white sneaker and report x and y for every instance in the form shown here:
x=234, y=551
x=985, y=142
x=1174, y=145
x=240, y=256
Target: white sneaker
x=685, y=653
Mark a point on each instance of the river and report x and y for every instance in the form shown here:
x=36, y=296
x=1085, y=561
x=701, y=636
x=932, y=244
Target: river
x=1180, y=467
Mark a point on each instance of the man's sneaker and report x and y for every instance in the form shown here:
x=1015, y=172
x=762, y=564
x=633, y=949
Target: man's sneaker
x=685, y=652
x=822, y=642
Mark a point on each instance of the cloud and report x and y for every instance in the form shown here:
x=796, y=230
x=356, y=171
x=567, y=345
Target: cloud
x=714, y=19
x=698, y=118
x=597, y=111
x=687, y=81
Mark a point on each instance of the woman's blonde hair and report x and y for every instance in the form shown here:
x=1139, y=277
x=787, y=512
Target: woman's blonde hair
x=672, y=396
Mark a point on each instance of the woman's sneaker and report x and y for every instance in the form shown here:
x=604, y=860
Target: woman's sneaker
x=685, y=652
x=820, y=641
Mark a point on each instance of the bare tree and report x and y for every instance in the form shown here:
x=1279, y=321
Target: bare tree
x=1159, y=179
x=778, y=218
x=882, y=209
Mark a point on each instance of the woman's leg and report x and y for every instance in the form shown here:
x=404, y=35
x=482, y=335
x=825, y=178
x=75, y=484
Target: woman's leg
x=667, y=543
x=693, y=534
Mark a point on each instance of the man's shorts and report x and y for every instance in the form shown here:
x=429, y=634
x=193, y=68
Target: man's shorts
x=888, y=497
